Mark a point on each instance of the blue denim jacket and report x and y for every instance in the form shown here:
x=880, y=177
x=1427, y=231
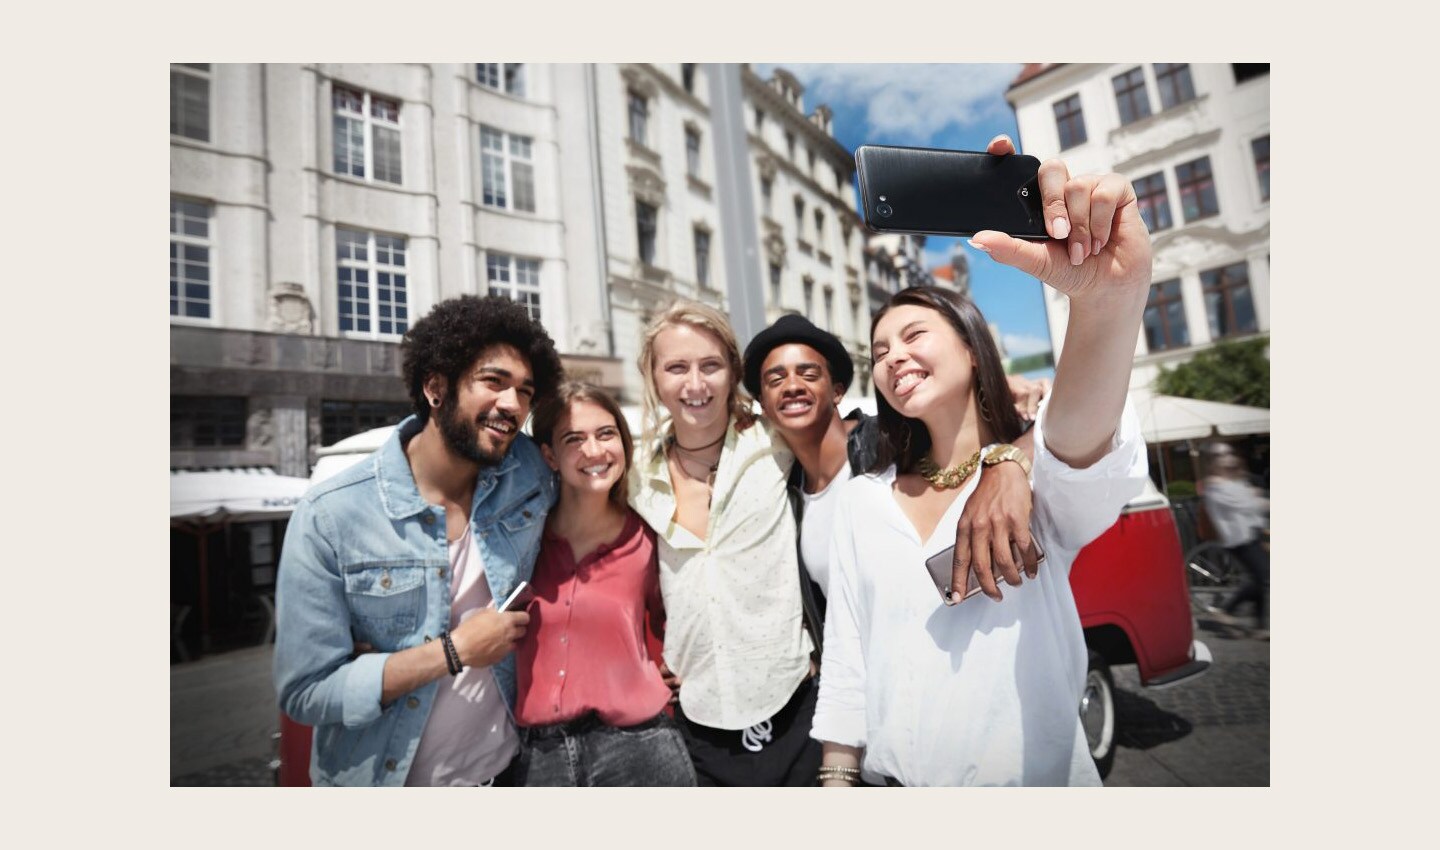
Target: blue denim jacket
x=365, y=560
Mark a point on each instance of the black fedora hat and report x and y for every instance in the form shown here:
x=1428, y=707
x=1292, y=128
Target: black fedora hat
x=789, y=328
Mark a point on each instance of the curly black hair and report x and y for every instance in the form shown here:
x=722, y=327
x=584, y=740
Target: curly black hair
x=447, y=341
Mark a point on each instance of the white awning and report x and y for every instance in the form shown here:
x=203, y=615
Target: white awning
x=238, y=495
x=1165, y=418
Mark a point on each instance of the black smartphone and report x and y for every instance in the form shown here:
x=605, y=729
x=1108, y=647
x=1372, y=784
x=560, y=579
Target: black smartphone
x=949, y=193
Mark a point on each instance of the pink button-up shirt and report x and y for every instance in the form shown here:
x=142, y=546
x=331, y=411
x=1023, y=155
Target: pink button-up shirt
x=585, y=647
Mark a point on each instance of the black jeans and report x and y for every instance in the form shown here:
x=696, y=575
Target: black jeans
x=777, y=752
x=1255, y=586
x=587, y=753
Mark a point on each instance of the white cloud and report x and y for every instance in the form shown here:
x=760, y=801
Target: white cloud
x=937, y=251
x=911, y=101
x=1019, y=345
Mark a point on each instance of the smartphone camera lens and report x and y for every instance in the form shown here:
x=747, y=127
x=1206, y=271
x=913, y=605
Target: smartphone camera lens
x=884, y=210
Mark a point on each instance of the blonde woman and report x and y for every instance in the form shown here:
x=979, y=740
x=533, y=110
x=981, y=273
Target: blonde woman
x=710, y=479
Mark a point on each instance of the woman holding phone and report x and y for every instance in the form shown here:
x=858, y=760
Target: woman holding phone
x=984, y=692
x=591, y=700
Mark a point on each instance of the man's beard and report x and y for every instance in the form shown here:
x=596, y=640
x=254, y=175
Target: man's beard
x=462, y=436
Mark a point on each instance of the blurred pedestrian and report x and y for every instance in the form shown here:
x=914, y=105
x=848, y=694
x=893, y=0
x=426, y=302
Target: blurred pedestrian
x=1237, y=512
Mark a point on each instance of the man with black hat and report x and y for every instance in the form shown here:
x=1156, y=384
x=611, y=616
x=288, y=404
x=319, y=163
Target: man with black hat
x=800, y=373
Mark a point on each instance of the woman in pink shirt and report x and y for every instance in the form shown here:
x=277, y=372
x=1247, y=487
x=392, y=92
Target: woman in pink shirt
x=591, y=701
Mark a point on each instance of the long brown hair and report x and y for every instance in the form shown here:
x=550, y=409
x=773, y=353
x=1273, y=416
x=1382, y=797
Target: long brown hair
x=904, y=441
x=547, y=419
x=708, y=319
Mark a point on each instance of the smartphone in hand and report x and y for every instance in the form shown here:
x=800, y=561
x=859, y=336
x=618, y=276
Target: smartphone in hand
x=949, y=193
x=519, y=598
x=941, y=567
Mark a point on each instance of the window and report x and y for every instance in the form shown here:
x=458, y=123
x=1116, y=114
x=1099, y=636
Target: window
x=1070, y=121
x=1260, y=149
x=687, y=76
x=839, y=180
x=645, y=225
x=775, y=283
x=1173, y=80
x=790, y=145
x=508, y=77
x=1249, y=72
x=515, y=278
x=639, y=117
x=360, y=259
x=809, y=296
x=1227, y=300
x=829, y=307
x=810, y=157
x=507, y=175
x=767, y=187
x=189, y=259
x=820, y=228
x=799, y=218
x=207, y=421
x=1131, y=97
x=759, y=121
x=692, y=151
x=702, y=257
x=190, y=101
x=1154, y=201
x=1197, y=189
x=341, y=419
x=367, y=135
x=1165, y=317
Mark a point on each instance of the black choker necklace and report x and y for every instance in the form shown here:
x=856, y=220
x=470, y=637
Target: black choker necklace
x=676, y=443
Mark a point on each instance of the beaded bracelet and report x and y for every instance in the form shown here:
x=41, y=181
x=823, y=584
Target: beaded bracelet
x=844, y=774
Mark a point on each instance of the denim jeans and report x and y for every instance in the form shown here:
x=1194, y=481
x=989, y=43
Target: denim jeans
x=588, y=753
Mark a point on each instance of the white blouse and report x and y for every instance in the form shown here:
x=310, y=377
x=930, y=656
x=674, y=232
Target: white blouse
x=734, y=630
x=984, y=692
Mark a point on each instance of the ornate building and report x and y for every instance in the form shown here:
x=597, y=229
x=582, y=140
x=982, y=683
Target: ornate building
x=1195, y=142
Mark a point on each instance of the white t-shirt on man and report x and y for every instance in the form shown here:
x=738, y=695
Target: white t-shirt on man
x=817, y=515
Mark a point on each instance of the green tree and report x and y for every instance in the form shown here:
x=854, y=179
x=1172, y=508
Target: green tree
x=1231, y=372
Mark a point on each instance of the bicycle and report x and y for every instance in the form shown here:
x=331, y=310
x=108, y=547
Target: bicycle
x=1212, y=573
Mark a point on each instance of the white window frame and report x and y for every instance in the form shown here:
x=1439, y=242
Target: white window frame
x=373, y=267
x=506, y=77
x=694, y=156
x=369, y=123
x=521, y=277
x=181, y=240
x=205, y=74
x=509, y=156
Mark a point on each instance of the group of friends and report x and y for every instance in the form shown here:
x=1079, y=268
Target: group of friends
x=779, y=559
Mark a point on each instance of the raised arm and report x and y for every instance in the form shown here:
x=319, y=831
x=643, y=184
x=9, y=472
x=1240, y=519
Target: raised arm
x=1099, y=256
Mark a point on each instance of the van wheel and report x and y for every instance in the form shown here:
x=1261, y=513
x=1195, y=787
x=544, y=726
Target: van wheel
x=1097, y=713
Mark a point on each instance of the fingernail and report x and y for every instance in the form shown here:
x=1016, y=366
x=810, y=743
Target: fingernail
x=1061, y=227
x=1077, y=254
x=1098, y=245
x=977, y=246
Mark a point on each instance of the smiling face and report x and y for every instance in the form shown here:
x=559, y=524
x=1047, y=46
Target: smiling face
x=586, y=448
x=692, y=376
x=920, y=360
x=480, y=416
x=796, y=389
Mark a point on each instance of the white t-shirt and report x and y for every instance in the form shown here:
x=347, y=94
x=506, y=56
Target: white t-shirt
x=817, y=515
x=469, y=736
x=981, y=693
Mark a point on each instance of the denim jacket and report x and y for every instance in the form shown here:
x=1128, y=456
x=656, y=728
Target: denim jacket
x=366, y=560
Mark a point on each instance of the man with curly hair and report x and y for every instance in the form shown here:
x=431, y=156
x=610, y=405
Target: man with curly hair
x=387, y=641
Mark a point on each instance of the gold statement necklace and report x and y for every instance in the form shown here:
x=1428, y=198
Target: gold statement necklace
x=951, y=476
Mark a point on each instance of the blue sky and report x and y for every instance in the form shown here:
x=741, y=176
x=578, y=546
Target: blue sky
x=960, y=107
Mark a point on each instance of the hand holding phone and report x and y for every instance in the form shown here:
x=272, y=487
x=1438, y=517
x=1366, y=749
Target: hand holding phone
x=941, y=568
x=519, y=598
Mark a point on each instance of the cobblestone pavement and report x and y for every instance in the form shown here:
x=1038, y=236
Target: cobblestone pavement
x=1214, y=730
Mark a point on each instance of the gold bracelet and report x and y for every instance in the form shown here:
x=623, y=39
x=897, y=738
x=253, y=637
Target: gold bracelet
x=1001, y=452
x=844, y=774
